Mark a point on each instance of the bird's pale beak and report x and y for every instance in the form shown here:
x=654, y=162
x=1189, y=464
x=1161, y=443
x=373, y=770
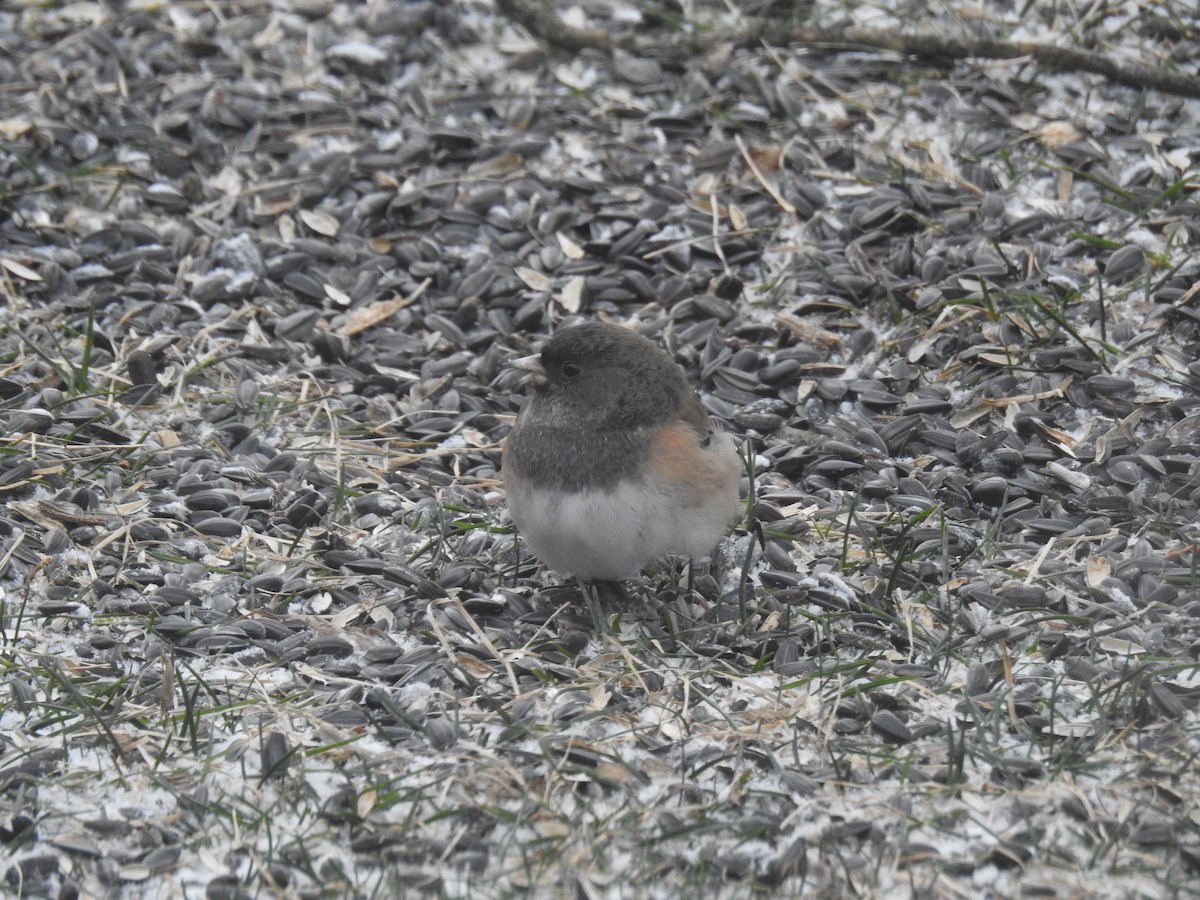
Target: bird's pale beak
x=532, y=367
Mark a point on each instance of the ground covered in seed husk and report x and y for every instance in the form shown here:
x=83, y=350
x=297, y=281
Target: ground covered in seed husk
x=265, y=629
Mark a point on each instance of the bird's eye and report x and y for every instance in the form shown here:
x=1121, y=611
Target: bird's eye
x=570, y=369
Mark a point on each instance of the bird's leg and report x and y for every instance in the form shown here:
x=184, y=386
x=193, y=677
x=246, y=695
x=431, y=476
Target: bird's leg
x=591, y=596
x=602, y=597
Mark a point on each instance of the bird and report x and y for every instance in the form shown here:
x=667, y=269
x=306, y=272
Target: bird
x=612, y=462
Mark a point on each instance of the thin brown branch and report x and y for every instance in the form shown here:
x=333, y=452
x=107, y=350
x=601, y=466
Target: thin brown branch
x=540, y=20
x=1061, y=59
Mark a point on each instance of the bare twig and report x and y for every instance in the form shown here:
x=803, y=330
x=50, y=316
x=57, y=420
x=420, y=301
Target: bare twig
x=1062, y=59
x=541, y=21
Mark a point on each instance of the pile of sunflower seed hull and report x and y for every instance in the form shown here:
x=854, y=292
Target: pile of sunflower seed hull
x=265, y=626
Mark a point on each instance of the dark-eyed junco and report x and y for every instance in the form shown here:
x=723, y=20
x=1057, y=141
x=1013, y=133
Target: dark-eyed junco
x=613, y=462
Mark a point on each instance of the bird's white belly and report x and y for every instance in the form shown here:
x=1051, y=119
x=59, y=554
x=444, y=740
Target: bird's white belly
x=612, y=534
